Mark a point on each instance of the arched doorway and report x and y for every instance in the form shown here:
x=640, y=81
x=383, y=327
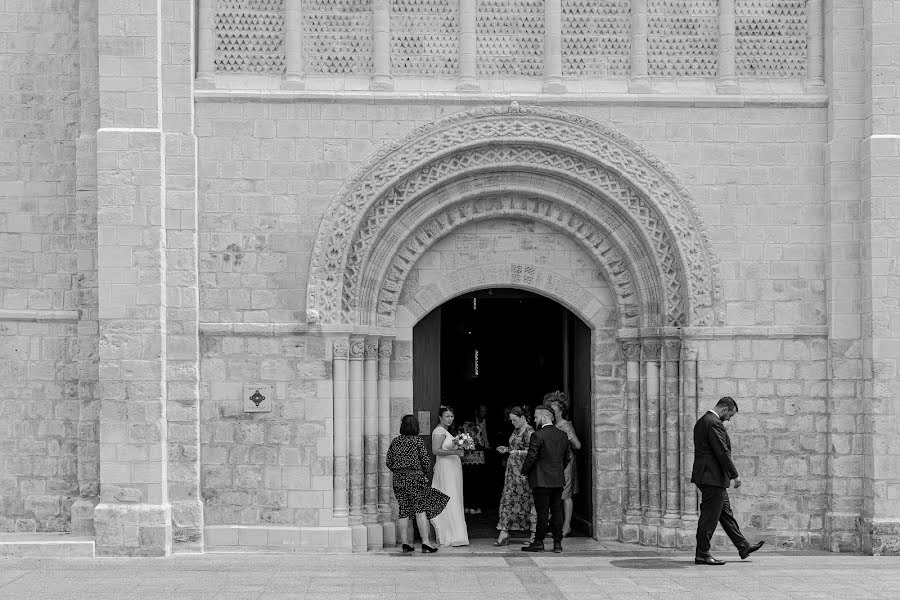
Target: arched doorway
x=499, y=348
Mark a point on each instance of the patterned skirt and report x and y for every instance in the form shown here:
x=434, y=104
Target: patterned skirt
x=415, y=495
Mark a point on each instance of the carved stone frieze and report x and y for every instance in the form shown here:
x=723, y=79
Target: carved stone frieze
x=249, y=36
x=543, y=127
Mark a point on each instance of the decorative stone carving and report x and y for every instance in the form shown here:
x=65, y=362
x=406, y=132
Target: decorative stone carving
x=357, y=349
x=671, y=350
x=337, y=36
x=646, y=177
x=341, y=348
x=510, y=37
x=596, y=39
x=385, y=348
x=411, y=247
x=425, y=37
x=683, y=38
x=651, y=350
x=250, y=36
x=771, y=38
x=371, y=350
x=631, y=350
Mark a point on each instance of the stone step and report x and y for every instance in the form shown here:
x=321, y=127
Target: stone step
x=45, y=545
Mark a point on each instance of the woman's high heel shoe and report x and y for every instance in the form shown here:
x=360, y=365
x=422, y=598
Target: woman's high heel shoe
x=502, y=540
x=408, y=548
x=428, y=549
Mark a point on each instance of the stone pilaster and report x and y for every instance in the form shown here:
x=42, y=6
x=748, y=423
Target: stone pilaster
x=133, y=517
x=651, y=497
x=815, y=47
x=206, y=44
x=374, y=536
x=689, y=402
x=381, y=46
x=468, y=81
x=726, y=82
x=86, y=349
x=631, y=350
x=340, y=374
x=553, y=81
x=639, y=80
x=293, y=63
x=670, y=459
x=356, y=418
x=385, y=350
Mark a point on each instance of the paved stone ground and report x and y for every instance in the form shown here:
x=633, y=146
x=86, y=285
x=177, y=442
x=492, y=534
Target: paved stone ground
x=585, y=572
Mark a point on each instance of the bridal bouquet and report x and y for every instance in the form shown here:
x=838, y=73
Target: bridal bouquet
x=464, y=441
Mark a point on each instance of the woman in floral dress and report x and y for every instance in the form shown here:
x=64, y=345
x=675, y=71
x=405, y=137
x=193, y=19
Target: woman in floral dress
x=517, y=503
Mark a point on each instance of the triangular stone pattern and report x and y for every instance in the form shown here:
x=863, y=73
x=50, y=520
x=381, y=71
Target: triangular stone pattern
x=425, y=37
x=337, y=37
x=596, y=37
x=771, y=38
x=249, y=36
x=682, y=38
x=510, y=38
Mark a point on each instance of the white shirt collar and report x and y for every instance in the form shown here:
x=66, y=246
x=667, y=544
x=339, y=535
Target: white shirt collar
x=713, y=412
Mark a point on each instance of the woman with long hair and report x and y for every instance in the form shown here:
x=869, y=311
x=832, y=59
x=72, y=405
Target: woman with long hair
x=517, y=503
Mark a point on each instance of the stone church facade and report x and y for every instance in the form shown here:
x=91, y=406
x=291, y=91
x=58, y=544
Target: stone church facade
x=222, y=220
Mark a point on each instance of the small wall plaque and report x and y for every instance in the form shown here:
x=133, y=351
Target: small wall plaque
x=258, y=398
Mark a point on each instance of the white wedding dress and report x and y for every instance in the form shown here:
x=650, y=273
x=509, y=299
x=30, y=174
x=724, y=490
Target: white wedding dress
x=450, y=525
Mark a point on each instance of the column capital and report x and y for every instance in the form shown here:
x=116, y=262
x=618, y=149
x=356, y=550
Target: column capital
x=371, y=348
x=357, y=347
x=385, y=347
x=671, y=350
x=631, y=349
x=651, y=349
x=341, y=348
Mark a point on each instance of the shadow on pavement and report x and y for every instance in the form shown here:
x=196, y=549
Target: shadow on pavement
x=652, y=563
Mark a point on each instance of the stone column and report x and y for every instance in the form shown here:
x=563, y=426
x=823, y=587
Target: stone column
x=385, y=350
x=355, y=380
x=726, y=82
x=631, y=349
x=815, y=47
x=553, y=81
x=381, y=46
x=206, y=44
x=673, y=476
x=339, y=374
x=374, y=536
x=650, y=444
x=689, y=399
x=293, y=46
x=639, y=81
x=134, y=515
x=467, y=79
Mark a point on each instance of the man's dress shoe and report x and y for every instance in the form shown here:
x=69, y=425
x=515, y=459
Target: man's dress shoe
x=533, y=548
x=557, y=547
x=709, y=560
x=751, y=549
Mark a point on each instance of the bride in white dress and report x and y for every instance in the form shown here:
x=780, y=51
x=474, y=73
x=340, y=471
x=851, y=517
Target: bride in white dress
x=450, y=525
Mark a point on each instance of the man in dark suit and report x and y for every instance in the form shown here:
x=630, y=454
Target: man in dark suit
x=712, y=474
x=544, y=467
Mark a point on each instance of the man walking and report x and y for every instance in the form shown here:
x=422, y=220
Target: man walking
x=544, y=467
x=713, y=472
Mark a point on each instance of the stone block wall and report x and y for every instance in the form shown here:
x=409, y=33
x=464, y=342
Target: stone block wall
x=39, y=238
x=270, y=468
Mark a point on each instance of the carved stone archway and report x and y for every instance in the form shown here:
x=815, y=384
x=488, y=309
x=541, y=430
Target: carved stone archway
x=621, y=206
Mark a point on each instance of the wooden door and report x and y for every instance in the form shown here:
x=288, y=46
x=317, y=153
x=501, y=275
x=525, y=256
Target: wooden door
x=581, y=393
x=427, y=373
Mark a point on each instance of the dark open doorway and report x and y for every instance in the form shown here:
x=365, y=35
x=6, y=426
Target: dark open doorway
x=504, y=347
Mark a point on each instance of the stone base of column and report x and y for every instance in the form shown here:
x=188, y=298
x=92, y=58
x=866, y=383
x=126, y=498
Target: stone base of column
x=727, y=85
x=607, y=530
x=880, y=537
x=83, y=516
x=842, y=532
x=630, y=530
x=287, y=539
x=381, y=82
x=132, y=529
x=388, y=533
x=554, y=85
x=668, y=532
x=205, y=81
x=374, y=536
x=293, y=81
x=649, y=533
x=467, y=84
x=640, y=85
x=187, y=527
x=359, y=538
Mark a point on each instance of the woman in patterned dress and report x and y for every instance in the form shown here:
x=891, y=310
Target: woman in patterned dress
x=408, y=460
x=517, y=503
